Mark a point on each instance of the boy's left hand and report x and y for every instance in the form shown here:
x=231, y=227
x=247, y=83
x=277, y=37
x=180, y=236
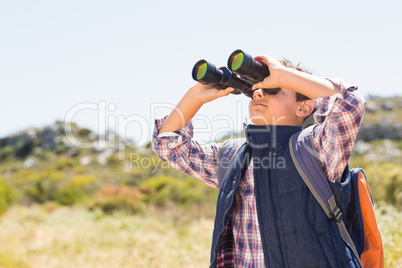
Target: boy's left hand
x=275, y=69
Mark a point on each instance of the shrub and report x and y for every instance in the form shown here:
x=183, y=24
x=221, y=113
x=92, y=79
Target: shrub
x=54, y=186
x=386, y=182
x=113, y=160
x=84, y=132
x=55, y=175
x=161, y=190
x=24, y=177
x=82, y=180
x=65, y=162
x=38, y=192
x=385, y=179
x=393, y=191
x=186, y=191
x=7, y=196
x=6, y=152
x=79, y=169
x=23, y=149
x=60, y=149
x=69, y=196
x=75, y=190
x=112, y=198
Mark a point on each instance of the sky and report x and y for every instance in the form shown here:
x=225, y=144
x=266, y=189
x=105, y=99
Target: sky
x=121, y=64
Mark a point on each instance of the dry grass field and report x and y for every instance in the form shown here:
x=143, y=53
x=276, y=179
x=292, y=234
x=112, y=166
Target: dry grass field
x=49, y=236
x=75, y=237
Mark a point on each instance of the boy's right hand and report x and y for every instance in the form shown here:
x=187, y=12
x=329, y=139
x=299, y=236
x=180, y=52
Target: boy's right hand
x=204, y=93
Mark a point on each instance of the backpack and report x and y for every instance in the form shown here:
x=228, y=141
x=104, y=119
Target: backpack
x=361, y=233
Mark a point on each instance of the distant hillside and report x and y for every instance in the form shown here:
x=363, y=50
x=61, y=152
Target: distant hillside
x=61, y=138
x=51, y=164
x=383, y=120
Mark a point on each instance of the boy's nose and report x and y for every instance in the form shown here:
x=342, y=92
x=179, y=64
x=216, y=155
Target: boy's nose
x=258, y=94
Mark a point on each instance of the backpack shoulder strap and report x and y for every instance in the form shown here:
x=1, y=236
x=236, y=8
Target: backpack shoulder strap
x=306, y=160
x=226, y=156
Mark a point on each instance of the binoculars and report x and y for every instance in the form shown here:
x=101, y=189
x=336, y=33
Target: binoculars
x=242, y=74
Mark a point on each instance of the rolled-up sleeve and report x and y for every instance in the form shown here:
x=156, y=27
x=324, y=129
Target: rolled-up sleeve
x=182, y=152
x=339, y=117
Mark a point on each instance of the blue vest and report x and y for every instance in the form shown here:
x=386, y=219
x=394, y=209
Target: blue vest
x=295, y=231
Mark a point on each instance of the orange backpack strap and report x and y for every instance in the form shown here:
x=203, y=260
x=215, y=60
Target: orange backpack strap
x=373, y=254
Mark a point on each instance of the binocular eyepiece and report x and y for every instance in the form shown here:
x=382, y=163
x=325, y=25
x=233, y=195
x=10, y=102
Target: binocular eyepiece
x=242, y=74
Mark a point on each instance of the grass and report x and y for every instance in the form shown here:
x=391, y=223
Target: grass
x=390, y=222
x=51, y=236
x=75, y=237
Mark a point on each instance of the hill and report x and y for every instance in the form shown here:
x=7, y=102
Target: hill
x=69, y=164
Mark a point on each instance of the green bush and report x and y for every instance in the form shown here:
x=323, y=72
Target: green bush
x=24, y=149
x=66, y=162
x=112, y=198
x=60, y=149
x=113, y=160
x=393, y=191
x=79, y=169
x=39, y=192
x=7, y=196
x=6, y=152
x=69, y=196
x=54, y=175
x=82, y=181
x=163, y=190
x=385, y=179
x=54, y=186
x=76, y=190
x=84, y=132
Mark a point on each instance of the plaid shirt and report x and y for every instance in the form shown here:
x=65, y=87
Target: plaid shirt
x=339, y=117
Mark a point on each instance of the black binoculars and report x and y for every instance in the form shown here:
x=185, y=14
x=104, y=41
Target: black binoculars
x=242, y=74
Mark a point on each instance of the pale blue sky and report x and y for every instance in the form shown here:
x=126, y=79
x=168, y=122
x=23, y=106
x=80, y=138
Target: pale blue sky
x=138, y=55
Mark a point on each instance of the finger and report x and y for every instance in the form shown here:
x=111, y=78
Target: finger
x=257, y=86
x=261, y=58
x=228, y=90
x=225, y=92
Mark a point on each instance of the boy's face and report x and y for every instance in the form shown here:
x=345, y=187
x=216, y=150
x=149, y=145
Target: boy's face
x=278, y=109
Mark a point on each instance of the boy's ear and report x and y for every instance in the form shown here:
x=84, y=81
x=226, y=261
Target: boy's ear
x=305, y=108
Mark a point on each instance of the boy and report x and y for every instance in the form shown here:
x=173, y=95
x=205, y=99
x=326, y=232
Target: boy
x=270, y=218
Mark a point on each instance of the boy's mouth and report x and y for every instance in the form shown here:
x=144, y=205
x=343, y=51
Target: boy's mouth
x=257, y=103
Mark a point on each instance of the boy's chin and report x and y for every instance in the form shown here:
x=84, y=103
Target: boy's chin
x=260, y=121
x=263, y=119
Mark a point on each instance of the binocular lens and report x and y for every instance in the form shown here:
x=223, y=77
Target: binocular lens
x=237, y=61
x=201, y=71
x=207, y=74
x=245, y=66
